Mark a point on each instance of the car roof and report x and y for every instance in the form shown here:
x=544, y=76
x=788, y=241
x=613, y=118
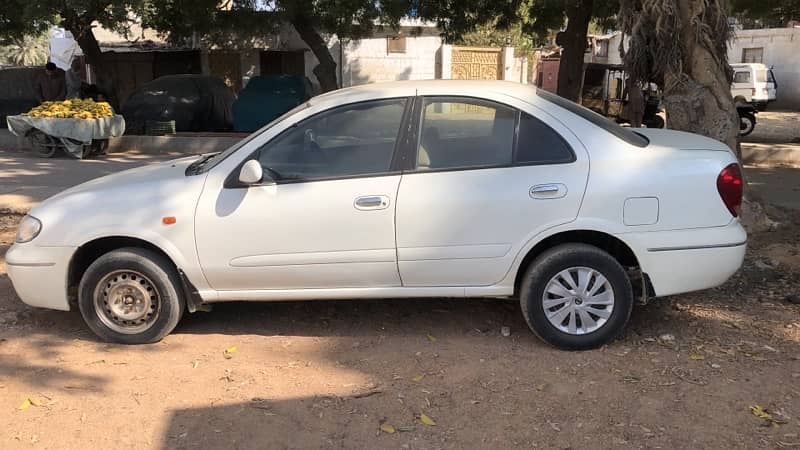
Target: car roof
x=472, y=88
x=753, y=65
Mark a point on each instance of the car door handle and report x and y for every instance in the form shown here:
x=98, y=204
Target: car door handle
x=370, y=202
x=550, y=190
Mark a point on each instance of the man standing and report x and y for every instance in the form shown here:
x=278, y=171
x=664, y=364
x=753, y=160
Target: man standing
x=73, y=78
x=634, y=108
x=51, y=85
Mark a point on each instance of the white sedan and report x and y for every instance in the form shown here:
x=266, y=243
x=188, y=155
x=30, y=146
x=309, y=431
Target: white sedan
x=398, y=190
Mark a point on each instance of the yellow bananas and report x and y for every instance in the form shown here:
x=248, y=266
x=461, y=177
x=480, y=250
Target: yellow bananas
x=72, y=109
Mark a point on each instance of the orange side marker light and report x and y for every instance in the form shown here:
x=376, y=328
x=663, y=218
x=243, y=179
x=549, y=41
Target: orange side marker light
x=168, y=220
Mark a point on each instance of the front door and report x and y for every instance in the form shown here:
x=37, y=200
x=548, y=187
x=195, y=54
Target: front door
x=327, y=222
x=487, y=178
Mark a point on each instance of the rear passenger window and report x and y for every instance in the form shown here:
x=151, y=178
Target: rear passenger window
x=464, y=133
x=741, y=77
x=540, y=144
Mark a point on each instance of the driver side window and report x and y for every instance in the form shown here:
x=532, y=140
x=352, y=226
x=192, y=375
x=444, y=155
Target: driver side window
x=352, y=140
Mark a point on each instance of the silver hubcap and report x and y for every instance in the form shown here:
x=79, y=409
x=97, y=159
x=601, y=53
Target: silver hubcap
x=126, y=302
x=578, y=300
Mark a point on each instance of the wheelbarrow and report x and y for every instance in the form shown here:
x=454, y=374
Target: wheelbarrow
x=78, y=138
x=46, y=146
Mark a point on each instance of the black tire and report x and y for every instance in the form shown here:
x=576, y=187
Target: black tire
x=160, y=275
x=44, y=145
x=747, y=123
x=562, y=257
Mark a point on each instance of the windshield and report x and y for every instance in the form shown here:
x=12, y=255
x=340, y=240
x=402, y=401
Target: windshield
x=623, y=133
x=208, y=162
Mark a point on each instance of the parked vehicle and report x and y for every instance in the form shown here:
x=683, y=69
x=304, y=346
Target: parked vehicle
x=747, y=118
x=267, y=97
x=398, y=190
x=604, y=92
x=190, y=103
x=753, y=83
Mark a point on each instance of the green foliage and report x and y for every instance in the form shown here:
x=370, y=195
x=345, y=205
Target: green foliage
x=19, y=18
x=765, y=13
x=223, y=23
x=489, y=35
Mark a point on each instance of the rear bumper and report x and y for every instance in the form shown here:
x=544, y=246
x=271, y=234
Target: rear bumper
x=39, y=274
x=689, y=260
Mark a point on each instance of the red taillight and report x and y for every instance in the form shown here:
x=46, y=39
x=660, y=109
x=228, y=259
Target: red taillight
x=730, y=186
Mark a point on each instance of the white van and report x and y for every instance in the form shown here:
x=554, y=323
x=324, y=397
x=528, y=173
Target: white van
x=753, y=83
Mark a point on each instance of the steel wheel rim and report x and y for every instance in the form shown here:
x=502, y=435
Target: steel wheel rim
x=578, y=300
x=127, y=302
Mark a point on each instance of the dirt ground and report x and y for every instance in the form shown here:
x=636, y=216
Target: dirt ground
x=329, y=374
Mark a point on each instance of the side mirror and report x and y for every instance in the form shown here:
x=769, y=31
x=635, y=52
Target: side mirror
x=251, y=173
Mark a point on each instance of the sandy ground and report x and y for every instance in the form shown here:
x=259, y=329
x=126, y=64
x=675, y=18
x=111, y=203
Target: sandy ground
x=329, y=374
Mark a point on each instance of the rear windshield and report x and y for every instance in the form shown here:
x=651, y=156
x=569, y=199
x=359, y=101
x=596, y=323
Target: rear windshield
x=623, y=133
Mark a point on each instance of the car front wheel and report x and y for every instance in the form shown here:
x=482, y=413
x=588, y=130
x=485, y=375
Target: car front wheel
x=576, y=297
x=131, y=296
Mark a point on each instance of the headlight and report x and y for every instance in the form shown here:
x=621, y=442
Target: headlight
x=27, y=230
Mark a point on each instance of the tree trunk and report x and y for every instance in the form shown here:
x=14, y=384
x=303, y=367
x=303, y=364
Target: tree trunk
x=573, y=44
x=325, y=71
x=82, y=32
x=698, y=99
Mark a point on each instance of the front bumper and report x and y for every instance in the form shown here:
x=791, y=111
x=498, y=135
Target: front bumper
x=39, y=274
x=689, y=260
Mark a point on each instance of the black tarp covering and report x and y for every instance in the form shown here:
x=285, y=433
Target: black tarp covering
x=194, y=102
x=17, y=94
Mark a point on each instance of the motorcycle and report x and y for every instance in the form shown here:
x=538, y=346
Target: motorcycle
x=747, y=118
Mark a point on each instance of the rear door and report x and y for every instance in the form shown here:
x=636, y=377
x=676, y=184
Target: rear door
x=482, y=179
x=772, y=85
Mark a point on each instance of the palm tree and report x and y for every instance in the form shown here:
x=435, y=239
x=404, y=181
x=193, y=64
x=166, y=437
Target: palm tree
x=25, y=51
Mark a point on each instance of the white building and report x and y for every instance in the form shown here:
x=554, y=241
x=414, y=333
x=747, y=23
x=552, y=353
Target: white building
x=604, y=49
x=414, y=52
x=778, y=48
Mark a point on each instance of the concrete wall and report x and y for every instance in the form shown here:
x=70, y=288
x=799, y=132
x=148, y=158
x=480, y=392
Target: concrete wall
x=782, y=52
x=368, y=61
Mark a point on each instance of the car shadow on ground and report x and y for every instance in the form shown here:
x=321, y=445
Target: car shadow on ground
x=535, y=385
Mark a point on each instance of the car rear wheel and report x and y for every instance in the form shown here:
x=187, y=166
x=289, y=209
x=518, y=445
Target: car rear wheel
x=131, y=296
x=576, y=297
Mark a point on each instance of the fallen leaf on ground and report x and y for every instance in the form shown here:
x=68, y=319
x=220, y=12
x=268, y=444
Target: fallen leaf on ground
x=228, y=353
x=427, y=420
x=32, y=401
x=762, y=413
x=36, y=401
x=195, y=363
x=386, y=428
x=697, y=357
x=431, y=338
x=418, y=378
